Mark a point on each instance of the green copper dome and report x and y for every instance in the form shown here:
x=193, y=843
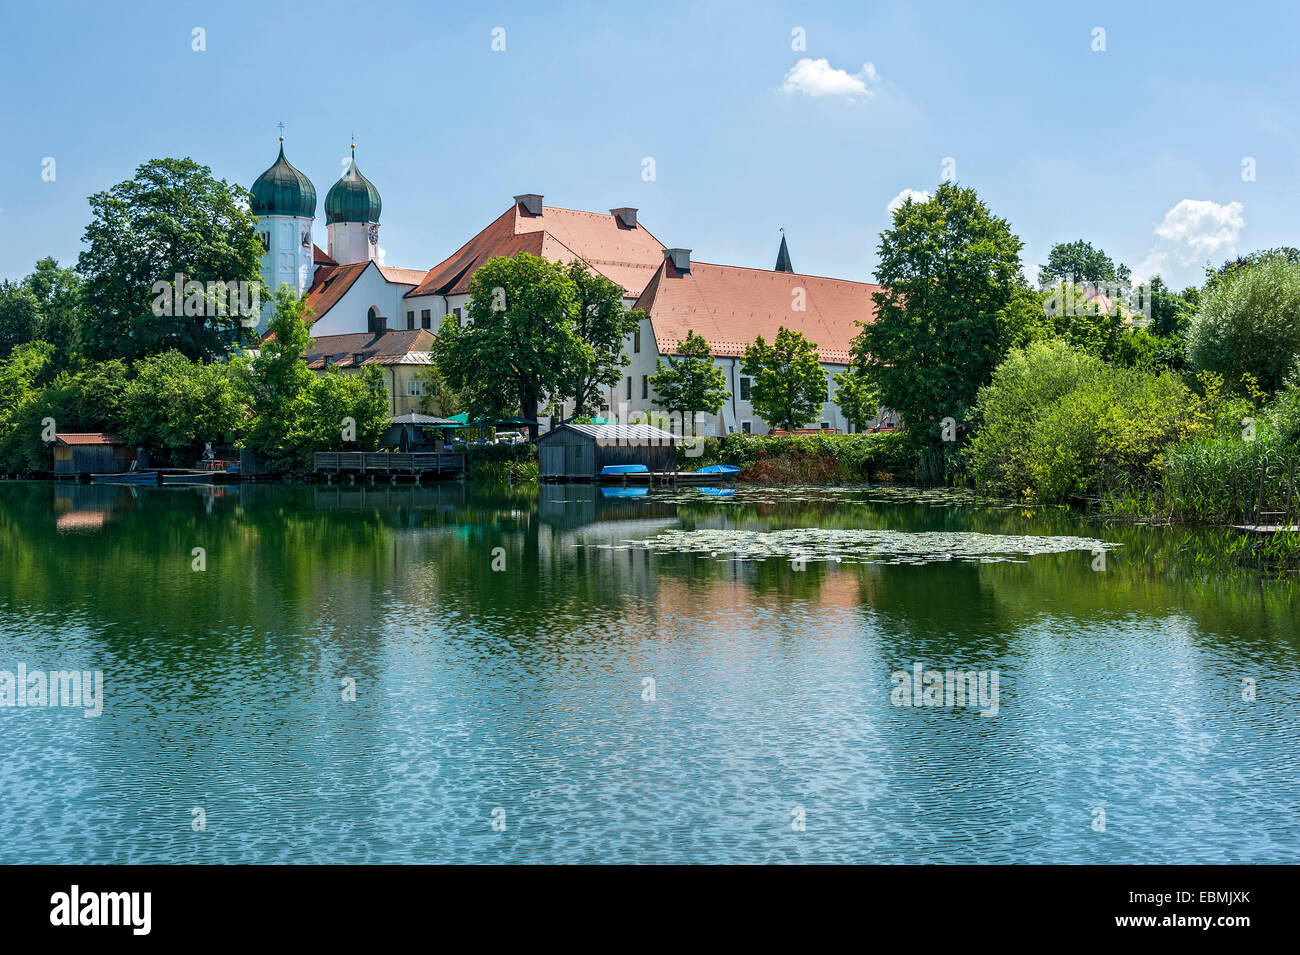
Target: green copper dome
x=353, y=198
x=283, y=191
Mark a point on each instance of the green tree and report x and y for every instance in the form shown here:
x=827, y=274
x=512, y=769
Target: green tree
x=1248, y=325
x=439, y=398
x=789, y=384
x=690, y=382
x=279, y=387
x=335, y=397
x=20, y=317
x=520, y=344
x=174, y=404
x=950, y=272
x=857, y=397
x=602, y=321
x=172, y=218
x=1077, y=261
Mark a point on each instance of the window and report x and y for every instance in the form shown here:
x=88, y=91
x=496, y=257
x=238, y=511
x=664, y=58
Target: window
x=266, y=240
x=629, y=388
x=636, y=341
x=645, y=387
x=826, y=425
x=746, y=427
x=414, y=388
x=426, y=318
x=410, y=320
x=456, y=312
x=306, y=240
x=744, y=390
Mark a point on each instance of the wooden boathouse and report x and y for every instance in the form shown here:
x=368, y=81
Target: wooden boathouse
x=577, y=452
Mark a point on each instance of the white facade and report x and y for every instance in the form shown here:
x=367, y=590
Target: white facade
x=286, y=258
x=371, y=292
x=352, y=242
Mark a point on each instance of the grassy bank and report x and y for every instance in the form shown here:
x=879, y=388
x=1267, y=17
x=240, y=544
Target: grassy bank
x=807, y=459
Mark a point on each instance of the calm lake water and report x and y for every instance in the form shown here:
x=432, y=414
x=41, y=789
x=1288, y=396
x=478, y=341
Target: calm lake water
x=530, y=686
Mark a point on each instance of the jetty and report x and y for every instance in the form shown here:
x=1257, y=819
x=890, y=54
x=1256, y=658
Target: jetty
x=390, y=464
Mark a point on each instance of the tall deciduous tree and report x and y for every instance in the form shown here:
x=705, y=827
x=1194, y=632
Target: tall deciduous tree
x=602, y=321
x=1077, y=261
x=1248, y=324
x=857, y=398
x=950, y=272
x=174, y=217
x=690, y=382
x=520, y=344
x=789, y=384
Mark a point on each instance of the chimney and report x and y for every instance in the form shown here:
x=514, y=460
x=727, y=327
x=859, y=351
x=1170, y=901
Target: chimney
x=531, y=202
x=626, y=216
x=680, y=258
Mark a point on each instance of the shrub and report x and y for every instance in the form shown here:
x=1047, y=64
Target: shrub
x=1249, y=324
x=1055, y=424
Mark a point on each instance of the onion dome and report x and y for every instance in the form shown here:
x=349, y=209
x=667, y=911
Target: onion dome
x=283, y=191
x=353, y=198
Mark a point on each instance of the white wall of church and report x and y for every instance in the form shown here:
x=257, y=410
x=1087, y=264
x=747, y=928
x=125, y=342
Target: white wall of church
x=285, y=259
x=349, y=243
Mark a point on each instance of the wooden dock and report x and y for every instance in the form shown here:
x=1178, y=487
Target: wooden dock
x=390, y=464
x=1266, y=530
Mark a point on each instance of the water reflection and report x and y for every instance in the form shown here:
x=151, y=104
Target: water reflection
x=500, y=653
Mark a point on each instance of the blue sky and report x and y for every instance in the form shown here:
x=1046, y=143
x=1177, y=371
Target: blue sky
x=1138, y=148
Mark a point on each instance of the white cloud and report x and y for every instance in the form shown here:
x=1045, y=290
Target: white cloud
x=916, y=195
x=1192, y=233
x=819, y=78
x=383, y=255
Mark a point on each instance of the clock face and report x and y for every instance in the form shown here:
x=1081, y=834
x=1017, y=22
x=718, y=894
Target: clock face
x=374, y=235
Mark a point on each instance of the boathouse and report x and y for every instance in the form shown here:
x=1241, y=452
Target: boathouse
x=96, y=452
x=577, y=452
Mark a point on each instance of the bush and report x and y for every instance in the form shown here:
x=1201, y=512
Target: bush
x=502, y=463
x=1056, y=424
x=1249, y=325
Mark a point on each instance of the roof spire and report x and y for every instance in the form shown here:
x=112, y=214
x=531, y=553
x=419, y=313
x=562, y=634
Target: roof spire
x=783, y=256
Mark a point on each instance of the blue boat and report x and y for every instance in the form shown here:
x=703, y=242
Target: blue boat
x=721, y=470
x=624, y=492
x=616, y=469
x=126, y=477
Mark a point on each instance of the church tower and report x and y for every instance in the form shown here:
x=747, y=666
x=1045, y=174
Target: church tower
x=352, y=209
x=284, y=201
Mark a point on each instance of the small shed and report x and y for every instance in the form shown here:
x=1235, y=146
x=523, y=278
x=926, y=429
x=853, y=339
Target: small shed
x=577, y=452
x=96, y=452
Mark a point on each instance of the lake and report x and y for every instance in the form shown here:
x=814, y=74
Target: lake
x=443, y=673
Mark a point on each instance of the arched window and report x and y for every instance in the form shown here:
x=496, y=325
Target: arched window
x=372, y=320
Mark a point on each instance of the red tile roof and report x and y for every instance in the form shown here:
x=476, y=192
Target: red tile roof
x=730, y=306
x=329, y=285
x=628, y=256
x=94, y=437
x=401, y=276
x=319, y=256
